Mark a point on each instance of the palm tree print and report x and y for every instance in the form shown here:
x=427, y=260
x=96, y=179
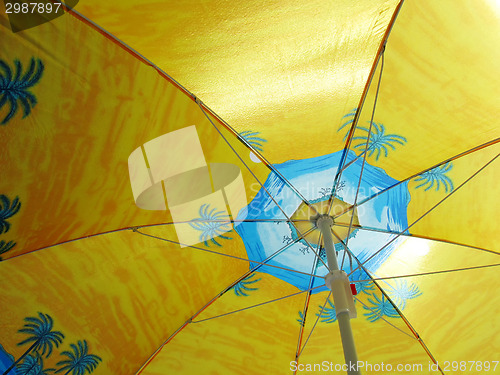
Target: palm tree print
x=14, y=87
x=379, y=308
x=349, y=119
x=327, y=314
x=33, y=365
x=6, y=246
x=301, y=319
x=402, y=291
x=252, y=138
x=242, y=288
x=287, y=240
x=79, y=360
x=436, y=176
x=41, y=336
x=7, y=210
x=327, y=192
x=363, y=286
x=378, y=140
x=211, y=224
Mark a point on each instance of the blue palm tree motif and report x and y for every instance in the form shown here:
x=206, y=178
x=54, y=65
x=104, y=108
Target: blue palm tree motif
x=363, y=286
x=349, y=119
x=41, y=336
x=7, y=210
x=253, y=140
x=6, y=246
x=379, y=308
x=211, y=224
x=378, y=140
x=241, y=288
x=402, y=291
x=79, y=360
x=33, y=365
x=301, y=319
x=304, y=250
x=15, y=87
x=287, y=240
x=325, y=192
x=328, y=314
x=436, y=176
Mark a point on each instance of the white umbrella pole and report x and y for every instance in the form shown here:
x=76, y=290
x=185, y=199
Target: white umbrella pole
x=338, y=282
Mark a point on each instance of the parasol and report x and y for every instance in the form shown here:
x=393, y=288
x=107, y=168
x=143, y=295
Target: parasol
x=157, y=228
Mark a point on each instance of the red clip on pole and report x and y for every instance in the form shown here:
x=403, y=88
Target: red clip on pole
x=353, y=289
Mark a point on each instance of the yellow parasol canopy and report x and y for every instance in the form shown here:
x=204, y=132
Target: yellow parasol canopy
x=279, y=97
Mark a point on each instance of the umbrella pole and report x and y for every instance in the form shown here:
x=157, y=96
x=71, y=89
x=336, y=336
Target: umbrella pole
x=338, y=282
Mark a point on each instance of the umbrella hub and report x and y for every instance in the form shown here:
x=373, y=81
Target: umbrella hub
x=342, y=219
x=323, y=218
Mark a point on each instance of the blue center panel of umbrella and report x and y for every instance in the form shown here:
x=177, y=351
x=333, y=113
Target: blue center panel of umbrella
x=313, y=178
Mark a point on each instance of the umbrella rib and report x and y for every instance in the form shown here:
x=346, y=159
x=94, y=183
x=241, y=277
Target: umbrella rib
x=353, y=161
x=346, y=249
x=415, y=333
x=203, y=107
x=273, y=168
x=364, y=95
x=190, y=320
x=366, y=149
x=385, y=320
x=68, y=241
x=477, y=148
x=146, y=226
x=343, y=259
x=288, y=183
x=368, y=229
x=426, y=213
x=305, y=310
x=125, y=46
x=234, y=256
x=257, y=305
x=462, y=154
x=246, y=274
x=347, y=146
x=193, y=97
x=429, y=273
x=227, y=221
x=263, y=187
x=314, y=326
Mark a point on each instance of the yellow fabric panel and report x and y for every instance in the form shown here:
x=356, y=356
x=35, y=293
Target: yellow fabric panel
x=440, y=87
x=290, y=72
x=123, y=292
x=70, y=153
x=469, y=216
x=254, y=341
x=457, y=208
x=456, y=313
x=439, y=90
x=96, y=104
x=273, y=68
x=395, y=344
